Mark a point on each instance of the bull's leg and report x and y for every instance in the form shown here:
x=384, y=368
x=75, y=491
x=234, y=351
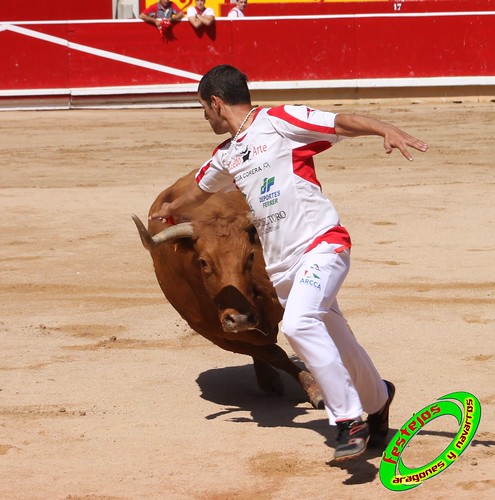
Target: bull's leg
x=269, y=381
x=309, y=384
x=278, y=358
x=275, y=356
x=268, y=378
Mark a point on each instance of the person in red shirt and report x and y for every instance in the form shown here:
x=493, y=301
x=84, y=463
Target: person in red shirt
x=163, y=10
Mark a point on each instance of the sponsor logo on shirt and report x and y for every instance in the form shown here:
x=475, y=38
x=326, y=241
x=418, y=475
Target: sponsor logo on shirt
x=233, y=163
x=311, y=277
x=248, y=154
x=267, y=184
x=257, y=150
x=268, y=198
x=250, y=172
x=309, y=111
x=272, y=222
x=247, y=173
x=245, y=155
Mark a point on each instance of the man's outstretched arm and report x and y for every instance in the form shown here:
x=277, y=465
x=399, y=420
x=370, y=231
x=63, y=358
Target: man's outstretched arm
x=393, y=137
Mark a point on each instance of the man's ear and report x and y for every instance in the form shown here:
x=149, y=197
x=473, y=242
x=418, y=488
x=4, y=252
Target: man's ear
x=216, y=103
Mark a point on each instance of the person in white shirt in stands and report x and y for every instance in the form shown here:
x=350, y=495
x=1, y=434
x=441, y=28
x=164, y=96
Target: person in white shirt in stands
x=200, y=15
x=238, y=10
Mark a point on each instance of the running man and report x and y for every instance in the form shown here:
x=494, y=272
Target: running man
x=269, y=158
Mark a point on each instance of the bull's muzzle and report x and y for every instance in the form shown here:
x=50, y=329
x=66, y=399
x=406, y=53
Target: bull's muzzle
x=236, y=312
x=233, y=321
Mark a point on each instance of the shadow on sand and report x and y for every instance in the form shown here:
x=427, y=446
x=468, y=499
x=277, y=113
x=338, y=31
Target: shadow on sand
x=236, y=391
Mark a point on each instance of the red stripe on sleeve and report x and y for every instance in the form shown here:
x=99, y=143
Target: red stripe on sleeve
x=201, y=173
x=279, y=112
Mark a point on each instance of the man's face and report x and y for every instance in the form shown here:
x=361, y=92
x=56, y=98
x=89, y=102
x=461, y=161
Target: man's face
x=217, y=123
x=200, y=4
x=241, y=4
x=165, y=3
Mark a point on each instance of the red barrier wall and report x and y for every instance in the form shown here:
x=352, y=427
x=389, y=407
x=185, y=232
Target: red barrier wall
x=379, y=6
x=46, y=58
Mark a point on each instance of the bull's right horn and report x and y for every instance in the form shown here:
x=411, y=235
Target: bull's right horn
x=183, y=230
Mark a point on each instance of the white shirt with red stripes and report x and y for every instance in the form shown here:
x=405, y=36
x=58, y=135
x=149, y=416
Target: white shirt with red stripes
x=235, y=12
x=192, y=11
x=271, y=163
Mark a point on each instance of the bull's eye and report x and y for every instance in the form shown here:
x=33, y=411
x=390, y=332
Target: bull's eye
x=203, y=263
x=250, y=260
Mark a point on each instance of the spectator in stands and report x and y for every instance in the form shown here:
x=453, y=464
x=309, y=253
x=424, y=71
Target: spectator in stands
x=163, y=10
x=200, y=15
x=238, y=10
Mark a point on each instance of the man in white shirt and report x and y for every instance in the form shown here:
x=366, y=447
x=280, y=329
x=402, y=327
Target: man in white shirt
x=200, y=15
x=269, y=158
x=238, y=10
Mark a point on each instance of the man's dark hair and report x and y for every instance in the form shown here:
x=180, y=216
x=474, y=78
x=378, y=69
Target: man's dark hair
x=226, y=82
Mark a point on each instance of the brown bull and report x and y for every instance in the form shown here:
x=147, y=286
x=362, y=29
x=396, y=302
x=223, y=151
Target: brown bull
x=211, y=269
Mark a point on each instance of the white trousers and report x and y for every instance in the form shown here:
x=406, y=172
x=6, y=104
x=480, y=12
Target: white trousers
x=319, y=334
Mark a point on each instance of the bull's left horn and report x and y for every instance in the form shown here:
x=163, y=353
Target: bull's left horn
x=183, y=230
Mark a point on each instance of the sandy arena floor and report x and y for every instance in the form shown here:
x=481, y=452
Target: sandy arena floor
x=105, y=393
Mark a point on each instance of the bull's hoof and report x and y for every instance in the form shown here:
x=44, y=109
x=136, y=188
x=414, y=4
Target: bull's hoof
x=312, y=390
x=315, y=398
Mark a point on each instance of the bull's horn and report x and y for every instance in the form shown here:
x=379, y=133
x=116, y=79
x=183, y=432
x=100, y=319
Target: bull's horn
x=182, y=230
x=146, y=238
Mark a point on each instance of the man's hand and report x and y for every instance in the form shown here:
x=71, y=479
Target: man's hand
x=191, y=197
x=395, y=138
x=163, y=214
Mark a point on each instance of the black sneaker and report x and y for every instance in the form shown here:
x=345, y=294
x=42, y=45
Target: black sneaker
x=352, y=438
x=378, y=422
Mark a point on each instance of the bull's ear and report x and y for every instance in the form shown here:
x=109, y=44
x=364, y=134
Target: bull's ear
x=184, y=244
x=253, y=235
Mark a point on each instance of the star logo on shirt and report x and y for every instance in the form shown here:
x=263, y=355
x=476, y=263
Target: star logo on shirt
x=309, y=111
